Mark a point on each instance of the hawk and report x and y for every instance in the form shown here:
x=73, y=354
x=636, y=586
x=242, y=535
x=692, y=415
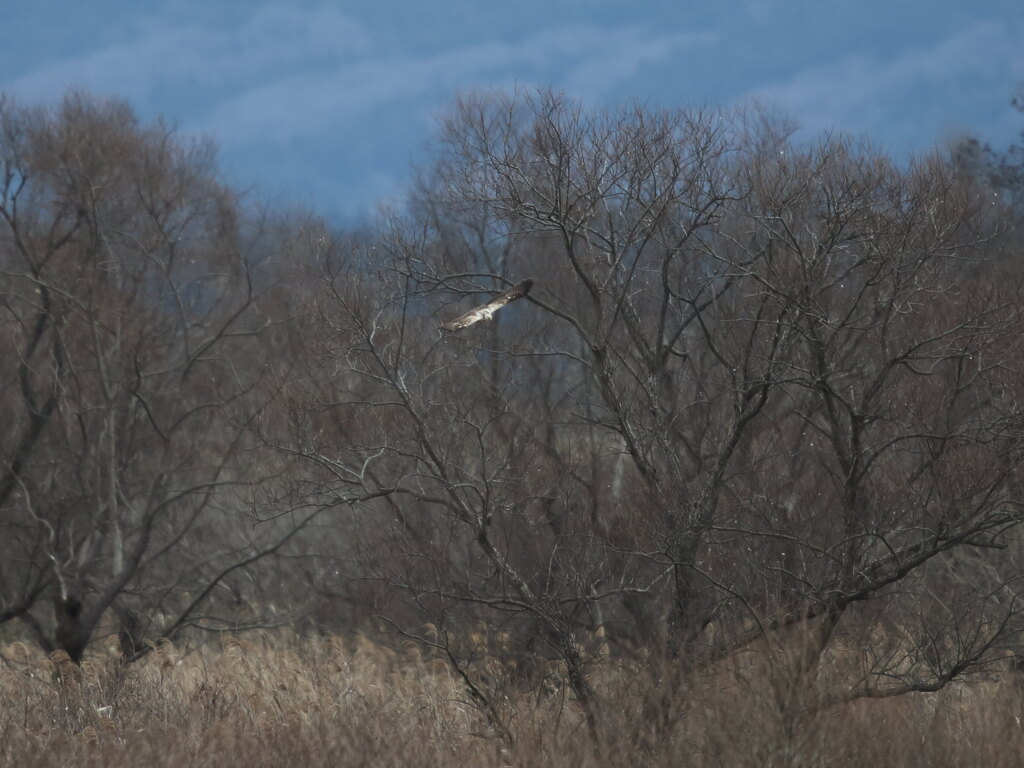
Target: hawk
x=486, y=311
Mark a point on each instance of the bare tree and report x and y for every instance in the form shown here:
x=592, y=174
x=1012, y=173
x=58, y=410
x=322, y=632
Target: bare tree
x=808, y=356
x=474, y=526
x=133, y=332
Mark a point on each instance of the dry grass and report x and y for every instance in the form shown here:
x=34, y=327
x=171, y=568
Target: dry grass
x=290, y=702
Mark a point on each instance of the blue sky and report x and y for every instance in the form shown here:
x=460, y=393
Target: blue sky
x=330, y=103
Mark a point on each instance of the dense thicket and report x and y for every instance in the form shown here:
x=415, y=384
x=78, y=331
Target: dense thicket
x=763, y=395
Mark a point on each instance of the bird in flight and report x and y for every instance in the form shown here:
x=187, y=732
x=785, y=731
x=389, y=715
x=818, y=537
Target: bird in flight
x=486, y=311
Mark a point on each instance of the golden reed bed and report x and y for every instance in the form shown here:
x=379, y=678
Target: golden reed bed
x=279, y=700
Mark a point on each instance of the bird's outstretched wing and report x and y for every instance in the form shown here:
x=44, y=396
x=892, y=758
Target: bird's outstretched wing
x=486, y=311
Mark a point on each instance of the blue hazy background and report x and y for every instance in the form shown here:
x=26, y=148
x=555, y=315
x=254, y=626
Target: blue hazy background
x=330, y=104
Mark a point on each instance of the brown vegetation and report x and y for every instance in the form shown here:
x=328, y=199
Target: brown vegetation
x=737, y=482
x=275, y=701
